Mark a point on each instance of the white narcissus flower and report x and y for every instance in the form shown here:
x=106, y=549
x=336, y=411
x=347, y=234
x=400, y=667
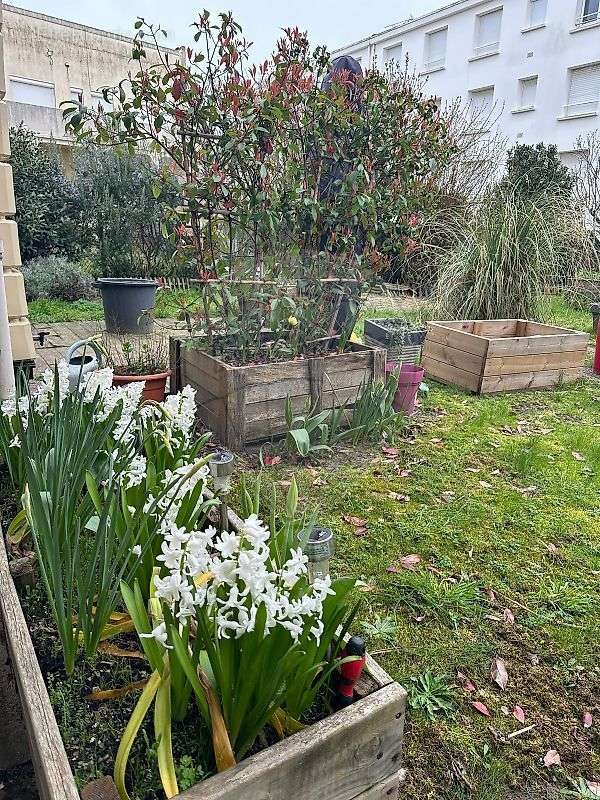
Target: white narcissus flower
x=136, y=550
x=16, y=442
x=159, y=634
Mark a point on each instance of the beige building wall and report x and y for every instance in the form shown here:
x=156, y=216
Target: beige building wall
x=49, y=60
x=20, y=329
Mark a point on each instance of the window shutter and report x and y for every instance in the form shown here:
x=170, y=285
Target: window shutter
x=393, y=53
x=537, y=11
x=584, y=90
x=34, y=94
x=528, y=92
x=482, y=101
x=436, y=48
x=488, y=31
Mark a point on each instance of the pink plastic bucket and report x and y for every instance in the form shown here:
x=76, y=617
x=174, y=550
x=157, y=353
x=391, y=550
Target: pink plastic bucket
x=410, y=379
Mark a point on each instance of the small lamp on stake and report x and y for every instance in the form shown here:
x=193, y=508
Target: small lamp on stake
x=221, y=469
x=319, y=550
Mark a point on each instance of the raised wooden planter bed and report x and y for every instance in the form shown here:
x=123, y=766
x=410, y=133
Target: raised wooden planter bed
x=489, y=356
x=354, y=754
x=247, y=404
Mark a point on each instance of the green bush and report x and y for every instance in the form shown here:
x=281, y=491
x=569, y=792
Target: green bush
x=536, y=170
x=57, y=278
x=48, y=209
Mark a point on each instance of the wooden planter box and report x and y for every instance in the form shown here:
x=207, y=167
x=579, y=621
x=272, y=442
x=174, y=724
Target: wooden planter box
x=500, y=355
x=246, y=404
x=354, y=754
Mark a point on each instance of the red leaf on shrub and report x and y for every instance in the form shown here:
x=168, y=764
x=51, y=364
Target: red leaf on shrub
x=481, y=707
x=518, y=713
x=588, y=720
x=551, y=759
x=499, y=673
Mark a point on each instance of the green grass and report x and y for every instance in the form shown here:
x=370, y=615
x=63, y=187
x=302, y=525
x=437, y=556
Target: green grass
x=168, y=304
x=504, y=513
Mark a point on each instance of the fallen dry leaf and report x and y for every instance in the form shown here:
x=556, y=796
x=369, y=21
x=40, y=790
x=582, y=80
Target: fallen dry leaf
x=588, y=720
x=270, y=461
x=467, y=683
x=319, y=482
x=552, y=549
x=508, y=616
x=499, y=673
x=404, y=473
x=448, y=497
x=390, y=452
x=114, y=694
x=518, y=713
x=491, y=595
x=578, y=456
x=481, y=707
x=401, y=498
x=474, y=470
x=485, y=485
x=284, y=483
x=594, y=787
x=551, y=759
x=360, y=532
x=114, y=650
x=411, y=561
x=357, y=522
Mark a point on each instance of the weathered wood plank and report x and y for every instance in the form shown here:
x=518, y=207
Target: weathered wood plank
x=236, y=409
x=470, y=362
x=53, y=772
x=537, y=344
x=196, y=374
x=387, y=789
x=534, y=362
x=528, y=380
x=495, y=327
x=540, y=328
x=461, y=340
x=13, y=736
x=340, y=757
x=446, y=373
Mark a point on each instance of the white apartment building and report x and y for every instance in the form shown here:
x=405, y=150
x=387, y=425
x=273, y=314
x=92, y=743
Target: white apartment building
x=536, y=63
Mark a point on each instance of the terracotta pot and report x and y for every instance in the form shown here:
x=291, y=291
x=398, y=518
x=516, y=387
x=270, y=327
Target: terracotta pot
x=155, y=384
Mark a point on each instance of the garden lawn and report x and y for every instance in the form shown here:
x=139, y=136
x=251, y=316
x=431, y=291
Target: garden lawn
x=168, y=304
x=496, y=502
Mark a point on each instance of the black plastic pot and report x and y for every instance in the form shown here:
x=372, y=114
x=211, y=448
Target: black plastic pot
x=125, y=302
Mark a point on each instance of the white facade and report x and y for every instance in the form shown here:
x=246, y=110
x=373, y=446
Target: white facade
x=536, y=62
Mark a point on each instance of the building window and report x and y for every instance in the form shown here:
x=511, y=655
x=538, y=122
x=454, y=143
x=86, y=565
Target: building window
x=537, y=12
x=393, y=53
x=435, y=49
x=588, y=11
x=527, y=92
x=34, y=93
x=481, y=102
x=584, y=90
x=76, y=95
x=98, y=101
x=487, y=33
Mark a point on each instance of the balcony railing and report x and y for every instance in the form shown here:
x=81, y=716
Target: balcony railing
x=47, y=123
x=588, y=16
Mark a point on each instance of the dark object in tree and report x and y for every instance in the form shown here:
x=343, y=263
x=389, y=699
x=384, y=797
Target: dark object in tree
x=48, y=212
x=536, y=170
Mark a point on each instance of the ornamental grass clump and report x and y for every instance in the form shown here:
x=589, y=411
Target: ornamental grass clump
x=511, y=251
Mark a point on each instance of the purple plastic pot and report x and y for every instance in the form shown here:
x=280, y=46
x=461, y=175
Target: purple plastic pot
x=409, y=381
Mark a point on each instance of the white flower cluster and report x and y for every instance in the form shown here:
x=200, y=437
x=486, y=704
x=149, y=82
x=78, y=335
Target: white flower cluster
x=231, y=575
x=171, y=420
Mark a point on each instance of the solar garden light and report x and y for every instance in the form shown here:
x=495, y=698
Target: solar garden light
x=221, y=469
x=319, y=550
